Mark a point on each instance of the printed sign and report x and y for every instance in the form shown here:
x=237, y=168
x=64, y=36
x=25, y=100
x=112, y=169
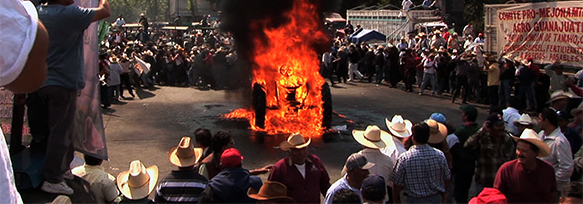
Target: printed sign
x=546, y=32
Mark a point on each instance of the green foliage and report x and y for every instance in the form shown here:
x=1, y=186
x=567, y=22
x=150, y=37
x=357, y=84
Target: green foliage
x=155, y=10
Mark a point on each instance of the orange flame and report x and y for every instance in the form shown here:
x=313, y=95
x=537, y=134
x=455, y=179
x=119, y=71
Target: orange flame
x=287, y=68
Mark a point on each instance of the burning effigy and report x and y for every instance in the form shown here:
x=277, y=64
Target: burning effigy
x=281, y=45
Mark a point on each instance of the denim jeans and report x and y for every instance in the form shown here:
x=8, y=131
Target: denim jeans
x=428, y=78
x=504, y=92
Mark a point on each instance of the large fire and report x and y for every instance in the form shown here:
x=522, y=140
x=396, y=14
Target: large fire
x=287, y=69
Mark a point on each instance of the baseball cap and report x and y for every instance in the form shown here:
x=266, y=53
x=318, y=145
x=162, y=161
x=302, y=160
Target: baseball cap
x=231, y=158
x=373, y=182
x=440, y=118
x=495, y=119
x=356, y=160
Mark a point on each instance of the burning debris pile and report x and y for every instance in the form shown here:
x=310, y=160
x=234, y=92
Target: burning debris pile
x=281, y=40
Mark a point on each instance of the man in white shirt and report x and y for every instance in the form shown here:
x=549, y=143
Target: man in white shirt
x=511, y=114
x=373, y=139
x=23, y=69
x=561, y=157
x=428, y=73
x=119, y=22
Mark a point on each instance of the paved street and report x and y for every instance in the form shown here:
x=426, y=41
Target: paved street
x=145, y=128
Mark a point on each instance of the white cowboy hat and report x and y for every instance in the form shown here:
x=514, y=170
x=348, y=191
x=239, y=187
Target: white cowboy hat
x=528, y=135
x=524, y=120
x=399, y=127
x=557, y=95
x=138, y=182
x=184, y=154
x=295, y=140
x=373, y=137
x=437, y=131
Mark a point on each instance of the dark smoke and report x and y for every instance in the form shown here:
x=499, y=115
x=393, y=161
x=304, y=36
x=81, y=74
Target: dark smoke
x=237, y=16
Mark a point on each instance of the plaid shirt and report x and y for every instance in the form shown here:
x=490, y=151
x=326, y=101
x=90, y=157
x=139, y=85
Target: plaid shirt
x=421, y=171
x=491, y=155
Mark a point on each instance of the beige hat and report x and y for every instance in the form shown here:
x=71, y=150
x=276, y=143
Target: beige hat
x=62, y=199
x=437, y=131
x=557, y=95
x=184, y=154
x=295, y=140
x=523, y=120
x=373, y=137
x=399, y=127
x=271, y=191
x=138, y=182
x=528, y=135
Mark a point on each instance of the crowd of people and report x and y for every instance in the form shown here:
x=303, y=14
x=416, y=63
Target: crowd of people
x=142, y=57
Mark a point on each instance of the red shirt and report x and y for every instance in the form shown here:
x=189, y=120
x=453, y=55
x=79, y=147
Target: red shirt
x=303, y=190
x=521, y=185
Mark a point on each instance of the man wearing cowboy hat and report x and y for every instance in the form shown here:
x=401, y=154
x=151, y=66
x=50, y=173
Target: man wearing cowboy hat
x=373, y=139
x=400, y=129
x=494, y=147
x=561, y=157
x=522, y=123
x=137, y=183
x=302, y=173
x=555, y=72
x=355, y=170
x=528, y=179
x=421, y=172
x=232, y=183
x=184, y=184
x=559, y=100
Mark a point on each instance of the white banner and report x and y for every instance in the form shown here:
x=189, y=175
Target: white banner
x=546, y=32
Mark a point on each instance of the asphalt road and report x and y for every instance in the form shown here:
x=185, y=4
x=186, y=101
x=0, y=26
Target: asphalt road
x=147, y=127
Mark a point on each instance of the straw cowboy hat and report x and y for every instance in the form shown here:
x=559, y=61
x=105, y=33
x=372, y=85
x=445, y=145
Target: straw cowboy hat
x=558, y=95
x=523, y=120
x=528, y=135
x=272, y=191
x=437, y=131
x=295, y=140
x=399, y=127
x=373, y=137
x=138, y=182
x=184, y=154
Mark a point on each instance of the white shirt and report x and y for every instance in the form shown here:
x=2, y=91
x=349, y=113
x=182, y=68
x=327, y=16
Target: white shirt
x=428, y=66
x=561, y=157
x=120, y=22
x=302, y=169
x=394, y=152
x=383, y=163
x=509, y=115
x=327, y=58
x=115, y=71
x=452, y=139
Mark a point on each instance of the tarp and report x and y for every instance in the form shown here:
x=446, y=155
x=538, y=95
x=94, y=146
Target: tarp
x=368, y=36
x=90, y=134
x=546, y=32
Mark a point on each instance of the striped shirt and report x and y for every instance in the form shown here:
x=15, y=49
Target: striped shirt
x=180, y=187
x=421, y=171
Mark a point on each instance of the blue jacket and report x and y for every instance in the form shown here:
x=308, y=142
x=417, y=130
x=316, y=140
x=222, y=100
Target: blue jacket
x=231, y=186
